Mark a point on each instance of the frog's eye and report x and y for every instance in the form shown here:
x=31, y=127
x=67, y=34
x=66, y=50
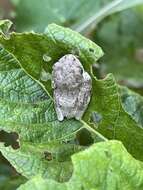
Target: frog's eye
x=81, y=71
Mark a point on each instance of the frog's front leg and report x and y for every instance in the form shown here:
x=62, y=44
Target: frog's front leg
x=59, y=114
x=84, y=95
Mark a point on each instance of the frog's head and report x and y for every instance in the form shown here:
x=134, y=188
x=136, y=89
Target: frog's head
x=68, y=72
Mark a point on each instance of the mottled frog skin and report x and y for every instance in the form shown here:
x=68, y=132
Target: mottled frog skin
x=72, y=87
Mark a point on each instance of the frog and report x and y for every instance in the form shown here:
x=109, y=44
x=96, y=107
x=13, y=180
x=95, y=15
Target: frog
x=72, y=87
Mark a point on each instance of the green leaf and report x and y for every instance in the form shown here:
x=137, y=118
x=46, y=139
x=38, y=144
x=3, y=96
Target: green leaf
x=109, y=115
x=26, y=107
x=124, y=4
x=105, y=165
x=125, y=59
x=105, y=112
x=11, y=183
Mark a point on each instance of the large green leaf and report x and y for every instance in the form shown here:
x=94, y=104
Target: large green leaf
x=123, y=49
x=105, y=165
x=26, y=108
x=46, y=144
x=106, y=112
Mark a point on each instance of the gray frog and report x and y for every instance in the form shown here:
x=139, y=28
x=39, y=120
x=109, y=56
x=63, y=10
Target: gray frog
x=72, y=87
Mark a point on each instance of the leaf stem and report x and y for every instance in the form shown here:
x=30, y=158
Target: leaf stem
x=92, y=130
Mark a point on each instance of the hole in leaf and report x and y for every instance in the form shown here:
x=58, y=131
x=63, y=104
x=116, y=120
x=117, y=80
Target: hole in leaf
x=91, y=50
x=84, y=137
x=9, y=139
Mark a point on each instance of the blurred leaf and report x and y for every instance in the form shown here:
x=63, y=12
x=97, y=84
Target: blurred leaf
x=67, y=13
x=110, y=8
x=41, y=13
x=9, y=179
x=124, y=4
x=12, y=183
x=123, y=49
x=105, y=165
x=6, y=9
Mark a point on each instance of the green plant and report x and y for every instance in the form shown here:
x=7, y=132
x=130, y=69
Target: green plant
x=101, y=151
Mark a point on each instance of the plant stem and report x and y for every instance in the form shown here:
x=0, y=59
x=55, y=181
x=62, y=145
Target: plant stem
x=92, y=130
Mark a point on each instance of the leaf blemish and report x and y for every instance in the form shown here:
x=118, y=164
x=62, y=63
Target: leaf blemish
x=96, y=117
x=48, y=155
x=107, y=153
x=47, y=58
